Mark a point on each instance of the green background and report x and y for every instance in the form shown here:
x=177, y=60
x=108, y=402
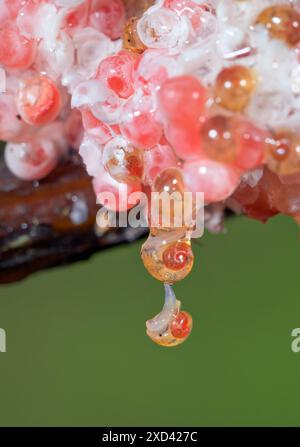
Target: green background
x=77, y=353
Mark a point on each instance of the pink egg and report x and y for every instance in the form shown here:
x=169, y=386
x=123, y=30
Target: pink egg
x=115, y=196
x=95, y=127
x=251, y=142
x=157, y=159
x=139, y=124
x=32, y=160
x=185, y=140
x=16, y=51
x=217, y=181
x=108, y=17
x=182, y=99
x=117, y=71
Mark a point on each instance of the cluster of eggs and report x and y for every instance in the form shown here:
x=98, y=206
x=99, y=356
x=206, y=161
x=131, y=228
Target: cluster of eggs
x=191, y=95
x=46, y=49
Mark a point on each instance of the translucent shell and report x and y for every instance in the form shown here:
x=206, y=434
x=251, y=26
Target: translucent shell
x=169, y=202
x=168, y=258
x=177, y=256
x=162, y=28
x=153, y=69
x=283, y=153
x=131, y=40
x=234, y=141
x=282, y=22
x=123, y=161
x=117, y=71
x=170, y=180
x=234, y=87
x=171, y=327
x=39, y=101
x=217, y=136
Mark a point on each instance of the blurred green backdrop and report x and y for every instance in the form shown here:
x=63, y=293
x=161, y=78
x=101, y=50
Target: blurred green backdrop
x=77, y=353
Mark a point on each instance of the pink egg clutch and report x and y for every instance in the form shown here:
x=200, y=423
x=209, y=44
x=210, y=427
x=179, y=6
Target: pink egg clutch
x=178, y=96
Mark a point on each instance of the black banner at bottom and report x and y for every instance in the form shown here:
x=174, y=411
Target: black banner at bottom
x=96, y=437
